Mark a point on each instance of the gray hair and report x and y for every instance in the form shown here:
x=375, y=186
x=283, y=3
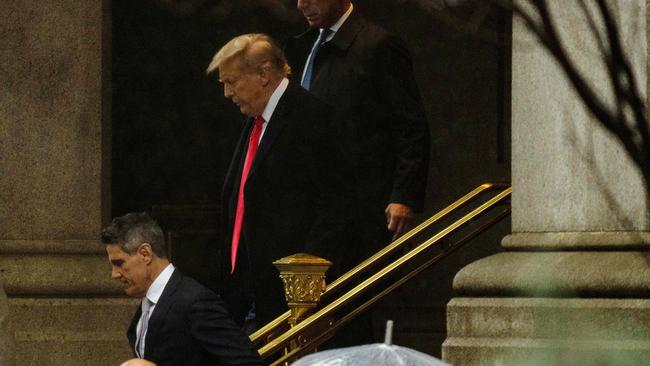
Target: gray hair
x=131, y=230
x=255, y=50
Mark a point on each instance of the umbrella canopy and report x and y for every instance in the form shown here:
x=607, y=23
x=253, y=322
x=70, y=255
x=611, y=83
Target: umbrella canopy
x=377, y=354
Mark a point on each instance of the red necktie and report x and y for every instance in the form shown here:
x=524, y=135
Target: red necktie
x=253, y=143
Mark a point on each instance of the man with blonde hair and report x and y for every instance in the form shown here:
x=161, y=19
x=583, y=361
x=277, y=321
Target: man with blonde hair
x=255, y=49
x=283, y=193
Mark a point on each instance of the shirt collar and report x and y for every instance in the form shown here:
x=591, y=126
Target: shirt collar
x=158, y=285
x=275, y=98
x=334, y=28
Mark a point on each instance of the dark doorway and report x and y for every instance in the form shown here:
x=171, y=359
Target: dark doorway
x=174, y=133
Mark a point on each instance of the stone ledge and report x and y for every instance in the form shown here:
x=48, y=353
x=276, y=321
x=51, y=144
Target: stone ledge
x=92, y=336
x=73, y=353
x=557, y=274
x=548, y=318
x=57, y=275
x=51, y=247
x=574, y=344
x=541, y=352
x=71, y=331
x=588, y=240
x=70, y=315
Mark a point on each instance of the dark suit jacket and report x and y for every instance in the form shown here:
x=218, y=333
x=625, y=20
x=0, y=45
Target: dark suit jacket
x=366, y=73
x=190, y=326
x=294, y=196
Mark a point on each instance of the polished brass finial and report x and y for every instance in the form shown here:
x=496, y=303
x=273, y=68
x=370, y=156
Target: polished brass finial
x=303, y=276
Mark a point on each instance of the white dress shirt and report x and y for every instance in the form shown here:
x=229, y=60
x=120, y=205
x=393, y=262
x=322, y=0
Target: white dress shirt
x=154, y=292
x=272, y=103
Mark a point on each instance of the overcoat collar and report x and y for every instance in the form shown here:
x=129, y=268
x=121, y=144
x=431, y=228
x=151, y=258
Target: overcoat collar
x=343, y=38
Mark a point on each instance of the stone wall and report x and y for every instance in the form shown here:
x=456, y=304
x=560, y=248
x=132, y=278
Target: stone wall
x=572, y=287
x=54, y=174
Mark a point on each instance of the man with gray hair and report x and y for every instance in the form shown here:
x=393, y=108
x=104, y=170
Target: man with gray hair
x=179, y=322
x=283, y=193
x=367, y=74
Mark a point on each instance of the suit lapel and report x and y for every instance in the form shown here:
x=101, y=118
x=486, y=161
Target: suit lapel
x=297, y=49
x=130, y=333
x=233, y=176
x=237, y=162
x=163, y=305
x=273, y=128
x=305, y=41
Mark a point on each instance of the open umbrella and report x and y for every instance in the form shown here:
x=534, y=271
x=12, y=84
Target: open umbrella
x=377, y=354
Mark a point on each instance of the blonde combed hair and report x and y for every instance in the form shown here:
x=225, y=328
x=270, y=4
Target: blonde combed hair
x=256, y=50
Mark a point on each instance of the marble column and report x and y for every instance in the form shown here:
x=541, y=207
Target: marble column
x=7, y=351
x=573, y=284
x=54, y=183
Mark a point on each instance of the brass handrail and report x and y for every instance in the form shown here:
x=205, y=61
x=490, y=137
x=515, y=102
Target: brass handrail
x=281, y=321
x=325, y=335
x=279, y=342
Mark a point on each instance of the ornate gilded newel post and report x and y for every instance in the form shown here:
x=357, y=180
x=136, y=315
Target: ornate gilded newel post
x=303, y=276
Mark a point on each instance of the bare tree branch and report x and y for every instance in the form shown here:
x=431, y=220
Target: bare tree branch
x=620, y=73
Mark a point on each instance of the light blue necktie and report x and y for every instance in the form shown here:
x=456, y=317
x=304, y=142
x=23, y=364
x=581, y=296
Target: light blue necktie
x=306, y=79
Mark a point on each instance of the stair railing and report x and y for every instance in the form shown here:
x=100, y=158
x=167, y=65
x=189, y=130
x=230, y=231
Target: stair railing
x=308, y=334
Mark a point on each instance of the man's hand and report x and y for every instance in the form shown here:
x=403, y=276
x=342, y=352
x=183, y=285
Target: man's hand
x=399, y=218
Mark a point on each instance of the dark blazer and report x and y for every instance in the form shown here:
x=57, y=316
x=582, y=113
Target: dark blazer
x=366, y=73
x=190, y=326
x=295, y=197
